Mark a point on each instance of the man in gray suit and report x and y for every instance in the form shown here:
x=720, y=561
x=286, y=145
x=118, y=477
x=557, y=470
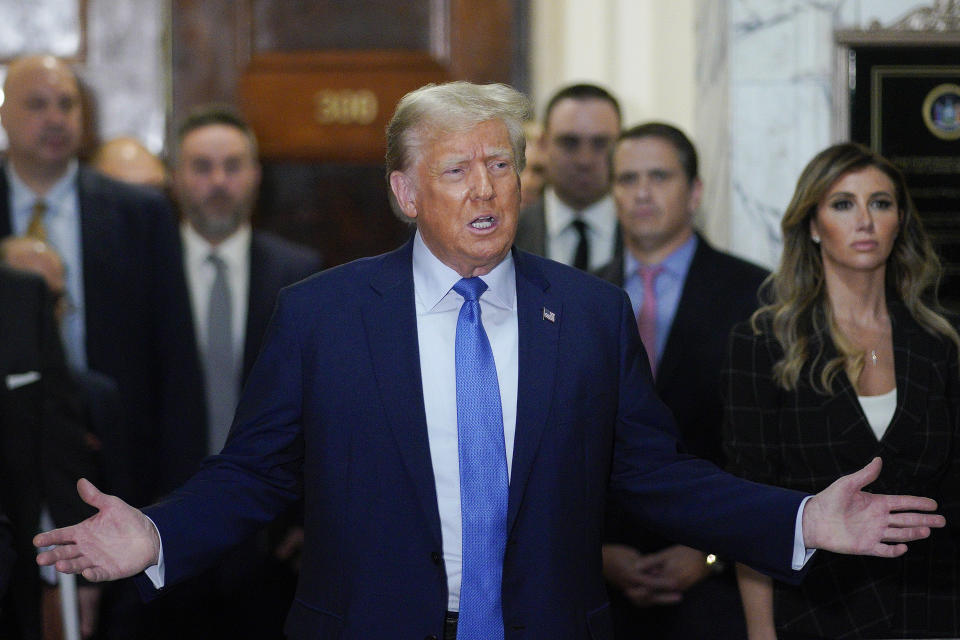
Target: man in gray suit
x=576, y=221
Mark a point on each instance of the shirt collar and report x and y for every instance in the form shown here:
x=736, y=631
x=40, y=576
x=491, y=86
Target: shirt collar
x=599, y=216
x=433, y=280
x=233, y=251
x=676, y=264
x=23, y=196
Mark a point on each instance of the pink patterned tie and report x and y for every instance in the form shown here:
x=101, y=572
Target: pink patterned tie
x=647, y=318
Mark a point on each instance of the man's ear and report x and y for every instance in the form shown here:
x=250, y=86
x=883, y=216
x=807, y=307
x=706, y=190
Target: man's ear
x=696, y=195
x=403, y=191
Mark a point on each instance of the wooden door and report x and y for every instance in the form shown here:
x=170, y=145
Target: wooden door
x=318, y=80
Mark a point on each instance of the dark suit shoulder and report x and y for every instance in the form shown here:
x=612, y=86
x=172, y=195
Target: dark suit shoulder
x=567, y=280
x=295, y=255
x=612, y=272
x=354, y=278
x=532, y=229
x=745, y=273
x=93, y=183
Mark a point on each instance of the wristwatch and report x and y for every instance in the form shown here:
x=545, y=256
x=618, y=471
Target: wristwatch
x=715, y=564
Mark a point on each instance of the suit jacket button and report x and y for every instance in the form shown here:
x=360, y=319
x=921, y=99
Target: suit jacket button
x=436, y=557
x=431, y=638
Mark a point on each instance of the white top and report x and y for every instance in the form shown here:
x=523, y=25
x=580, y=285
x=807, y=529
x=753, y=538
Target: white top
x=235, y=253
x=562, y=239
x=438, y=308
x=879, y=410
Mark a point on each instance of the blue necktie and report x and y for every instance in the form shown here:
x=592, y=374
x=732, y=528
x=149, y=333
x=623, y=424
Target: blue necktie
x=483, y=472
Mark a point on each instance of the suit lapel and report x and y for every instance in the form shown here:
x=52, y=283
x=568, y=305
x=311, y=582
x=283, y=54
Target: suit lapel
x=98, y=243
x=697, y=294
x=538, y=341
x=905, y=337
x=259, y=302
x=390, y=321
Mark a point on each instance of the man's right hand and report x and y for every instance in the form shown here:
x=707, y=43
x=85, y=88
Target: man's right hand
x=117, y=542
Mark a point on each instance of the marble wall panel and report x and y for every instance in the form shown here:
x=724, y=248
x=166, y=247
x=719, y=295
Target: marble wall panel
x=123, y=60
x=780, y=55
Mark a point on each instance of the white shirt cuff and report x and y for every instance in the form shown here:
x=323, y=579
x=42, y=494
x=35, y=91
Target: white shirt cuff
x=156, y=571
x=800, y=552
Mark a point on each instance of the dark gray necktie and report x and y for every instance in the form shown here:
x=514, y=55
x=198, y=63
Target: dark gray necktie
x=220, y=365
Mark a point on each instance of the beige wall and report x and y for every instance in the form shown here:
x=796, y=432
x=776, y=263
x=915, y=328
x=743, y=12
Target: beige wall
x=642, y=50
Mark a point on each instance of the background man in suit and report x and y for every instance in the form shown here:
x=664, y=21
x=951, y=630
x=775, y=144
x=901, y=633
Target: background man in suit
x=127, y=296
x=453, y=413
x=216, y=175
x=698, y=294
x=575, y=223
x=215, y=180
x=42, y=448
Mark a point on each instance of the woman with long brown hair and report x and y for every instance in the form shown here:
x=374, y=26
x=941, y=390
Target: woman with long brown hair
x=851, y=358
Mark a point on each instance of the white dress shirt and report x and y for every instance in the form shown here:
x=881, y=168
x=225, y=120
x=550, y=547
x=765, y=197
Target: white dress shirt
x=562, y=239
x=62, y=222
x=438, y=308
x=235, y=252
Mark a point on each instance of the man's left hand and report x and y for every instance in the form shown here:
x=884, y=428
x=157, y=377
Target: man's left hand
x=845, y=519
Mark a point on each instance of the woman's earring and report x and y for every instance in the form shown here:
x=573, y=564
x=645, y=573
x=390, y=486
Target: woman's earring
x=816, y=239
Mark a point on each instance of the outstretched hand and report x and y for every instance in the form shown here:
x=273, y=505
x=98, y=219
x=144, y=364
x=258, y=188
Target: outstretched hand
x=845, y=519
x=116, y=542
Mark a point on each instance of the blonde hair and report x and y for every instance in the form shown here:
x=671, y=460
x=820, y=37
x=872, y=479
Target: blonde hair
x=798, y=308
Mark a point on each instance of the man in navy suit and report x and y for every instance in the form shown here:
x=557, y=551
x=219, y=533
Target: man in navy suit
x=355, y=403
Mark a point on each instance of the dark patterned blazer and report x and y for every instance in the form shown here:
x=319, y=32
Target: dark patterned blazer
x=804, y=440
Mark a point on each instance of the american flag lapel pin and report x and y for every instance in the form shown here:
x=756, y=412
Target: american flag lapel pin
x=548, y=315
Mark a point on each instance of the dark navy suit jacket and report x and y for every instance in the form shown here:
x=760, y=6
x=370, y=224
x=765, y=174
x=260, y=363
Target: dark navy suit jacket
x=333, y=410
